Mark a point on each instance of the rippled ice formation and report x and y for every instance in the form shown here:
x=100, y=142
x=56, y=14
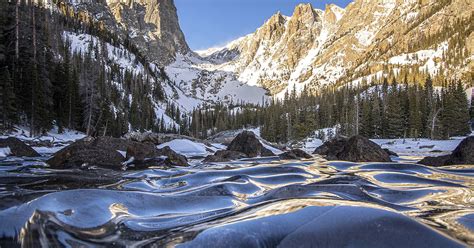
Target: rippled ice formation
x=260, y=203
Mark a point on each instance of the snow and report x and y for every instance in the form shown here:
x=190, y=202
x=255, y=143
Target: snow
x=5, y=152
x=338, y=11
x=420, y=147
x=408, y=149
x=53, y=135
x=365, y=37
x=198, y=78
x=271, y=148
x=186, y=147
x=425, y=57
x=47, y=150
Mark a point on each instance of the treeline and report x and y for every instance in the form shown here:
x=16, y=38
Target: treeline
x=45, y=82
x=388, y=109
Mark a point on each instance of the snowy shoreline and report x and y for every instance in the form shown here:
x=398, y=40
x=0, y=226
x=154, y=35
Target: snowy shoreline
x=410, y=150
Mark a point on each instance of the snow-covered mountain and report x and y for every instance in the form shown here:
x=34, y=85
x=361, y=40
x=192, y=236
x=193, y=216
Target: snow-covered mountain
x=151, y=28
x=311, y=48
x=315, y=47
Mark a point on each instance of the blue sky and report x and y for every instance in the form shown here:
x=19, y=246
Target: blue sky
x=210, y=23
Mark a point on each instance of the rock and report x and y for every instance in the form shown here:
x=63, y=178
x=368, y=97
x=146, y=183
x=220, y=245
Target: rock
x=330, y=149
x=18, y=148
x=224, y=156
x=295, y=154
x=146, y=155
x=246, y=142
x=172, y=158
x=463, y=154
x=159, y=138
x=84, y=153
x=427, y=147
x=435, y=161
x=355, y=149
x=113, y=143
x=103, y=152
x=141, y=151
x=390, y=153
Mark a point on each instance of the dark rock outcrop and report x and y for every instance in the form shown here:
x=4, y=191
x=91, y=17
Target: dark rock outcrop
x=390, y=153
x=224, y=156
x=295, y=154
x=172, y=158
x=355, y=149
x=331, y=148
x=18, y=148
x=463, y=154
x=246, y=142
x=84, y=153
x=147, y=155
x=103, y=152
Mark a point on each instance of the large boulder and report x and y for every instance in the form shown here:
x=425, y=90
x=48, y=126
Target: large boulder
x=355, y=149
x=146, y=155
x=463, y=154
x=84, y=153
x=224, y=156
x=104, y=152
x=295, y=154
x=18, y=148
x=246, y=142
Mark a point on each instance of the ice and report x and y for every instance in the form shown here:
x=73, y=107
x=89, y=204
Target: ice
x=5, y=152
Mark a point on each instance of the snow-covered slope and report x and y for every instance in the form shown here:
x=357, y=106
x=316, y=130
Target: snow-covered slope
x=199, y=79
x=315, y=47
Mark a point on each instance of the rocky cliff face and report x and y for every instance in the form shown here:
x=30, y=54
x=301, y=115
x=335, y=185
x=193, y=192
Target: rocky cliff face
x=315, y=47
x=151, y=25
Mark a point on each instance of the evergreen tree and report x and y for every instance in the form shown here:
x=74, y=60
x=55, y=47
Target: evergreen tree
x=7, y=100
x=394, y=118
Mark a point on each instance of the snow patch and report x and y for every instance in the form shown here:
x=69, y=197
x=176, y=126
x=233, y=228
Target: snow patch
x=186, y=147
x=5, y=152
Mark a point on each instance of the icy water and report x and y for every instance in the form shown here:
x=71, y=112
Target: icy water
x=259, y=203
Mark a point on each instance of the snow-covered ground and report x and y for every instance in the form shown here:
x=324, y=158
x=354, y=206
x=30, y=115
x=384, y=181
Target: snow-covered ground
x=60, y=140
x=407, y=149
x=53, y=135
x=5, y=152
x=418, y=148
x=189, y=148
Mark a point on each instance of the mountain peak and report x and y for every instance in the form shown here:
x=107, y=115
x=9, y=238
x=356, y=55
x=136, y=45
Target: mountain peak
x=333, y=13
x=152, y=25
x=303, y=9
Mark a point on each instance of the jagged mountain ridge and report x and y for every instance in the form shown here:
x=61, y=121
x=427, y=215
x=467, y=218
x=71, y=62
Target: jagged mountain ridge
x=151, y=25
x=315, y=47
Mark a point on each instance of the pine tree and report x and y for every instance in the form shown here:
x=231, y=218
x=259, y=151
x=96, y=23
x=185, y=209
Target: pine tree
x=393, y=115
x=7, y=100
x=461, y=127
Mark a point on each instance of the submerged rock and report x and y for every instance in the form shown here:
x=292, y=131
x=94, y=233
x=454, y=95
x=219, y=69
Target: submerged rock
x=224, y=156
x=355, y=149
x=18, y=148
x=295, y=154
x=463, y=154
x=246, y=142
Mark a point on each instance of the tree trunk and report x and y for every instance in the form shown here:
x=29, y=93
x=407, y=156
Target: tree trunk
x=433, y=122
x=35, y=64
x=17, y=29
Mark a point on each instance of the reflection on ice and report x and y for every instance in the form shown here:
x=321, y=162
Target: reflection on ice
x=250, y=203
